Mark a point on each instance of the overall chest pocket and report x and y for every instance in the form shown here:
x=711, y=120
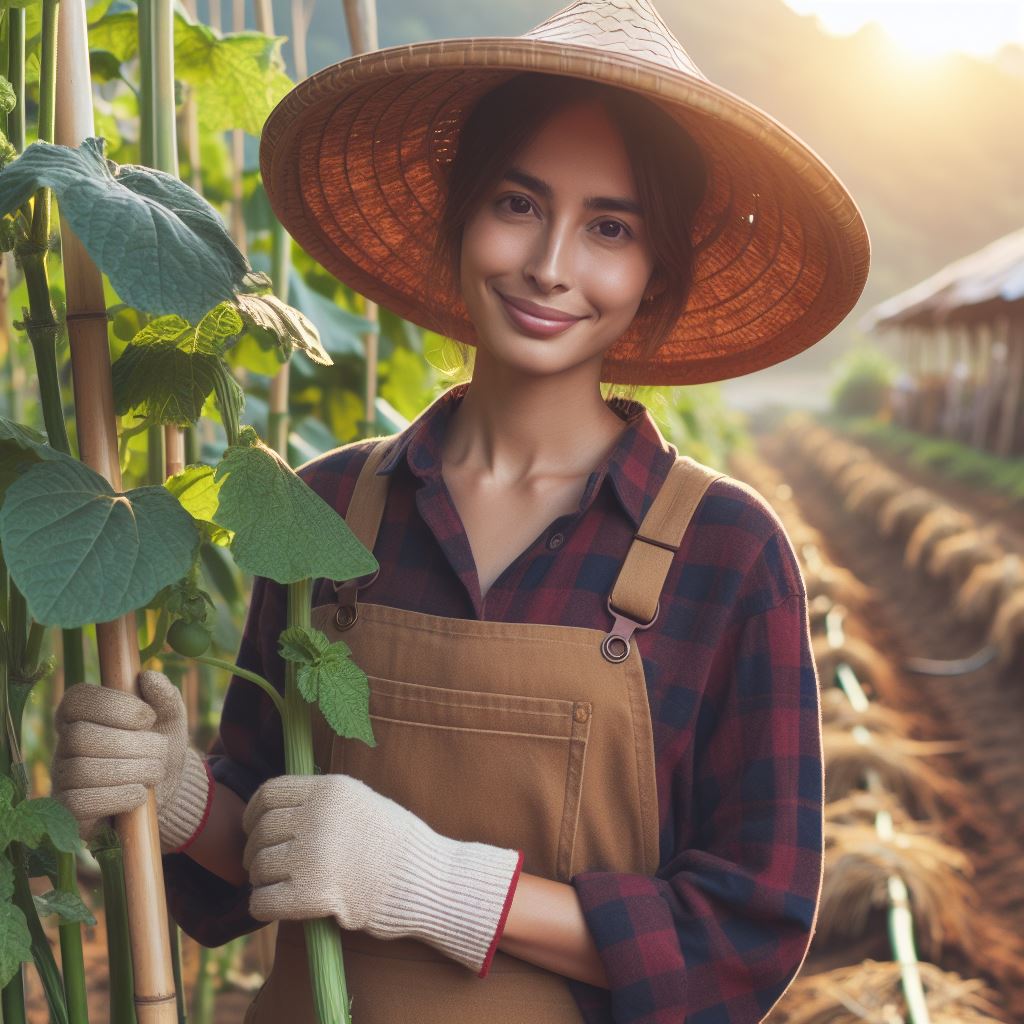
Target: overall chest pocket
x=484, y=767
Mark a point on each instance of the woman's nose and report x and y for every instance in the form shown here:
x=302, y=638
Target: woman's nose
x=549, y=267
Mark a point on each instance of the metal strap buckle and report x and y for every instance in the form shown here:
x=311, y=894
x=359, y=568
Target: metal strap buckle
x=616, y=645
x=347, y=596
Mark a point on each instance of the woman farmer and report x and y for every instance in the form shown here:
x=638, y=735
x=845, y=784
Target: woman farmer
x=597, y=788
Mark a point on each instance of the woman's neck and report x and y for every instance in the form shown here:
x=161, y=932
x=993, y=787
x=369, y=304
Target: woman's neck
x=516, y=427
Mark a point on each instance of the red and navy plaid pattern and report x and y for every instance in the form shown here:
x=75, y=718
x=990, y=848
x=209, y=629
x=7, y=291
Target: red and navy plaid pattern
x=719, y=932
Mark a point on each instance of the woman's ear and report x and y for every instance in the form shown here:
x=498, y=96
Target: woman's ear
x=655, y=286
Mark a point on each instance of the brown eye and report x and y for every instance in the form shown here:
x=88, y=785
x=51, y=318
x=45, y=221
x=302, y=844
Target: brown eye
x=519, y=204
x=612, y=229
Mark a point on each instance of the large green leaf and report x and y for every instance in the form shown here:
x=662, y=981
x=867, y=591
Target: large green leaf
x=164, y=248
x=117, y=34
x=267, y=313
x=171, y=366
x=327, y=676
x=238, y=78
x=165, y=385
x=199, y=494
x=15, y=942
x=66, y=905
x=20, y=446
x=283, y=530
x=82, y=553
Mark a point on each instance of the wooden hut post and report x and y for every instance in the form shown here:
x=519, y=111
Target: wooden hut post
x=155, y=1001
x=1014, y=380
x=982, y=407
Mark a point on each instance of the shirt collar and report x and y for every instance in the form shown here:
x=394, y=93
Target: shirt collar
x=635, y=468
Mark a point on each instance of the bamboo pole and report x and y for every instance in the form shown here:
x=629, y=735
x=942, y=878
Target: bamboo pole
x=155, y=1001
x=300, y=23
x=238, y=154
x=361, y=18
x=277, y=425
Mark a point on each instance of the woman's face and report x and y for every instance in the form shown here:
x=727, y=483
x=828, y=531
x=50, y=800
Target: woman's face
x=556, y=260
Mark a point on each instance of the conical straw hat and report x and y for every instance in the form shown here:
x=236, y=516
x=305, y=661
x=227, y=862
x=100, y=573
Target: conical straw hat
x=353, y=160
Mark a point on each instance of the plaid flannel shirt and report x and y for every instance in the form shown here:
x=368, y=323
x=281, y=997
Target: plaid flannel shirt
x=721, y=929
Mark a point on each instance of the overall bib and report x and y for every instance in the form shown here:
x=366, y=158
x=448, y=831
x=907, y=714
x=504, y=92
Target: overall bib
x=526, y=736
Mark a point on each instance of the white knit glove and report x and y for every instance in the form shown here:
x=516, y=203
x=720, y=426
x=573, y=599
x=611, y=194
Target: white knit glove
x=112, y=745
x=329, y=845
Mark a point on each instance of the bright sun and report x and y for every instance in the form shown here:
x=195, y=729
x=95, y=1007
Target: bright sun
x=927, y=28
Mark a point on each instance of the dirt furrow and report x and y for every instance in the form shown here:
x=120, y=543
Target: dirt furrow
x=910, y=616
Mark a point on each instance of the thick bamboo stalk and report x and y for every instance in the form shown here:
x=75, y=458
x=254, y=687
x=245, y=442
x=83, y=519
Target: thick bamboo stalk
x=361, y=18
x=160, y=24
x=118, y=653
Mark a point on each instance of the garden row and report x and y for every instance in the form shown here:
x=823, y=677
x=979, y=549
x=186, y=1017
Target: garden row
x=945, y=545
x=899, y=922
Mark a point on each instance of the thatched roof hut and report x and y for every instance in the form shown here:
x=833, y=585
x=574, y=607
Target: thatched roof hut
x=962, y=334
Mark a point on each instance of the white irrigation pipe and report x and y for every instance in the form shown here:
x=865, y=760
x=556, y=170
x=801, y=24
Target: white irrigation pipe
x=901, y=917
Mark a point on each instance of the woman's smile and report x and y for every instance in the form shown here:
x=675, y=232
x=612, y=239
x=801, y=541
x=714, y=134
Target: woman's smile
x=535, y=320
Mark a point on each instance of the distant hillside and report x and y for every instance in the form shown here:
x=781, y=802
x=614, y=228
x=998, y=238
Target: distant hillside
x=932, y=151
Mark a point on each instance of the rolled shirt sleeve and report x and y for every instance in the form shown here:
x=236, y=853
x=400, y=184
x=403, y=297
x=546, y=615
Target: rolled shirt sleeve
x=718, y=934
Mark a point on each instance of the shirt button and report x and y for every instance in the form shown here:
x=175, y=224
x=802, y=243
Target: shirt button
x=556, y=540
x=582, y=713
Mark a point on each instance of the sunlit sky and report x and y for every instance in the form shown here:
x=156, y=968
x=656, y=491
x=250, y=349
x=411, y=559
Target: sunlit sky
x=927, y=28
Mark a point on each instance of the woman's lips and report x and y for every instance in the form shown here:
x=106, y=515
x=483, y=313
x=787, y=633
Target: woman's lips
x=534, y=320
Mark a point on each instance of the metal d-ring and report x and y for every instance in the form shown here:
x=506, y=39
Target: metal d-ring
x=347, y=593
x=345, y=616
x=616, y=645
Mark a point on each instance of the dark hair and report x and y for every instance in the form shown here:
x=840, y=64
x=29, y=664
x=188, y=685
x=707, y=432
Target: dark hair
x=667, y=165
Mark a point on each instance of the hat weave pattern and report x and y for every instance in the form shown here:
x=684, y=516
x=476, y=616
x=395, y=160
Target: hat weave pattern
x=354, y=161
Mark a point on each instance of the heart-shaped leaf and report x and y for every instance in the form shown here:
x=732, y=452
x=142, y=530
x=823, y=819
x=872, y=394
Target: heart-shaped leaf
x=164, y=248
x=82, y=553
x=283, y=530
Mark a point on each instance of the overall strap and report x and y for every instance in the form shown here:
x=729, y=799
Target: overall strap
x=634, y=600
x=366, y=507
x=363, y=516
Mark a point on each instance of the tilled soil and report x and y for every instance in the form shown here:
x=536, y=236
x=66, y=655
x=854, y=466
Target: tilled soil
x=909, y=616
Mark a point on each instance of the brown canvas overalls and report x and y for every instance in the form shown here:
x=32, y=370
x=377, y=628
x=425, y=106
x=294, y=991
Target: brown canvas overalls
x=526, y=736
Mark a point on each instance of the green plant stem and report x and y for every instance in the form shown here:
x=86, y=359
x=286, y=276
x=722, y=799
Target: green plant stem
x=155, y=454
x=43, y=330
x=165, y=138
x=159, y=636
x=42, y=954
x=5, y=59
x=119, y=949
x=16, y=76
x=34, y=647
x=12, y=999
x=72, y=961
x=47, y=111
x=277, y=417
x=17, y=629
x=323, y=938
x=202, y=994
x=73, y=656
x=147, y=117
x=263, y=684
x=174, y=936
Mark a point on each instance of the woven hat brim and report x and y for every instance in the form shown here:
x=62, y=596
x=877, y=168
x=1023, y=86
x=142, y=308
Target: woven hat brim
x=353, y=163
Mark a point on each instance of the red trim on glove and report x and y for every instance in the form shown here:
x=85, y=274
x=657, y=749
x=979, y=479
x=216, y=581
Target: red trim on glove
x=206, y=813
x=504, y=917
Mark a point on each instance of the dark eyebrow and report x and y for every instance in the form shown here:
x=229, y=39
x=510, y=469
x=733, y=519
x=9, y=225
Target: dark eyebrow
x=615, y=204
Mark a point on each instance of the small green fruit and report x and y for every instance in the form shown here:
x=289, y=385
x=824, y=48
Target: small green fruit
x=188, y=638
